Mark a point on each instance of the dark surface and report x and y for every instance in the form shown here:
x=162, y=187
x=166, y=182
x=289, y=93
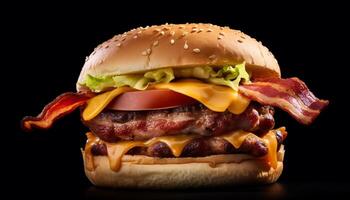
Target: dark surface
x=280, y=190
x=45, y=49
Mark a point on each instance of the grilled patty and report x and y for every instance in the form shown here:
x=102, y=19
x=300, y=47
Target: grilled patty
x=112, y=125
x=203, y=146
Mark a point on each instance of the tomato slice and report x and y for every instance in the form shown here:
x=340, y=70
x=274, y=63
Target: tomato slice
x=150, y=100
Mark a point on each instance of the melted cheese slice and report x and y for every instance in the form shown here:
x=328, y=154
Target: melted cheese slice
x=96, y=104
x=271, y=143
x=89, y=159
x=176, y=143
x=116, y=152
x=238, y=137
x=214, y=97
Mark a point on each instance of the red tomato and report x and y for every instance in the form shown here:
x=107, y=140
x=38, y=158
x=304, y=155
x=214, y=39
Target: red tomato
x=150, y=100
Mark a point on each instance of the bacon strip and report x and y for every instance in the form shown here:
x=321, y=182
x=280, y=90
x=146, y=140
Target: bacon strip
x=61, y=106
x=291, y=95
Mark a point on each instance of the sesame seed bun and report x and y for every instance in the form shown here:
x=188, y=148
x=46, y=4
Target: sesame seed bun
x=158, y=174
x=178, y=45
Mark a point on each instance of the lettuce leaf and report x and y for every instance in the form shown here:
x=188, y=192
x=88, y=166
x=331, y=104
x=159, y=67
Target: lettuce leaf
x=161, y=75
x=135, y=81
x=140, y=82
x=98, y=84
x=228, y=75
x=195, y=72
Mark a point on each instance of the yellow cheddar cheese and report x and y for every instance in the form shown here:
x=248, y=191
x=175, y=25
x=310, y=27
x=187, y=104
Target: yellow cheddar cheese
x=214, y=97
x=177, y=143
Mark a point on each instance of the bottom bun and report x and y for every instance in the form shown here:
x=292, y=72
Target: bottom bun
x=134, y=175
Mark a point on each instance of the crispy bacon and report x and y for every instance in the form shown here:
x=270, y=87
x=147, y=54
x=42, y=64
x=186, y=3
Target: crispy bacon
x=291, y=95
x=61, y=106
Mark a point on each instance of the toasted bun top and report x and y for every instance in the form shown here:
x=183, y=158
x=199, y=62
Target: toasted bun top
x=179, y=45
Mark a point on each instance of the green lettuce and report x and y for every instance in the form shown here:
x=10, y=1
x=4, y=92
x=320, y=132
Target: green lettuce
x=139, y=82
x=98, y=84
x=228, y=75
x=195, y=72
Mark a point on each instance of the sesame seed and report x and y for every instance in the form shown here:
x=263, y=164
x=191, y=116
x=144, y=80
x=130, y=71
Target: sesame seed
x=193, y=30
x=166, y=23
x=221, y=33
x=221, y=28
x=242, y=37
x=196, y=50
x=118, y=44
x=148, y=51
x=135, y=37
x=165, y=28
x=123, y=38
x=184, y=34
x=156, y=30
x=181, y=27
x=172, y=33
x=106, y=47
x=172, y=41
x=209, y=30
x=155, y=43
x=186, y=45
x=212, y=57
x=240, y=41
x=162, y=33
x=219, y=37
x=200, y=30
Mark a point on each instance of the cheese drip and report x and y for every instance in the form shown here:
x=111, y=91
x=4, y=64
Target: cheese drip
x=177, y=143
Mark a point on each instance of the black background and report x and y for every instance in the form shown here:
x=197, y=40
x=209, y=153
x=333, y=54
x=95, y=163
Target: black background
x=46, y=45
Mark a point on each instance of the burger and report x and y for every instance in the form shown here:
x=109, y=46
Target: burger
x=182, y=105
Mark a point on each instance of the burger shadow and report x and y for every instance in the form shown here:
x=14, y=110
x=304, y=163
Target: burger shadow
x=271, y=191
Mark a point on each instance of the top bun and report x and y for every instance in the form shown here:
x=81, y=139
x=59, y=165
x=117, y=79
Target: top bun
x=179, y=45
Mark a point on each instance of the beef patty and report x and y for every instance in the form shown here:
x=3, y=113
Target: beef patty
x=203, y=146
x=112, y=125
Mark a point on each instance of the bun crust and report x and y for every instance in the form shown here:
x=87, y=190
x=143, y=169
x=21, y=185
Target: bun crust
x=179, y=45
x=183, y=175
